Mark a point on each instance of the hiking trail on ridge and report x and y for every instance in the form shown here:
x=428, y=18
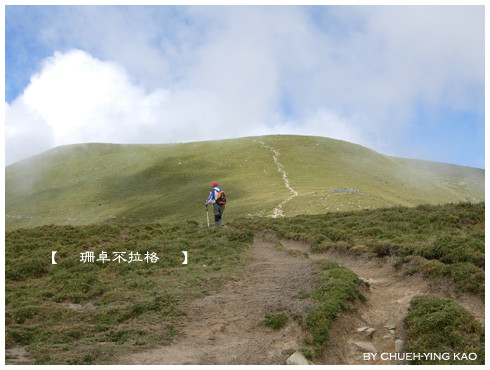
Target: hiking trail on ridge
x=278, y=212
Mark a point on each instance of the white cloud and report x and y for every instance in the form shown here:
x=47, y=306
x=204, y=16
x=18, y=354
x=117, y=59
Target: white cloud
x=195, y=73
x=324, y=122
x=26, y=134
x=78, y=98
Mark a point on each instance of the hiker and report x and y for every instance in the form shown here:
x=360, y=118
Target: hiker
x=218, y=198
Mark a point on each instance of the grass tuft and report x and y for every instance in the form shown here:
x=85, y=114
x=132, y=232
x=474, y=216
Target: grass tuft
x=275, y=320
x=441, y=326
x=337, y=287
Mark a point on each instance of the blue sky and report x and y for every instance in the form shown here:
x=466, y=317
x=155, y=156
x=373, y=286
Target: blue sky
x=406, y=81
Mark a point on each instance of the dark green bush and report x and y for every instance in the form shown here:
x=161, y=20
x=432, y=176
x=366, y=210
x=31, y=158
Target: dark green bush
x=275, y=320
x=438, y=325
x=336, y=286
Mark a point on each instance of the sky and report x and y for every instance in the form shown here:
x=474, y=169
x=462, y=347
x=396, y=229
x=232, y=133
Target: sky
x=406, y=81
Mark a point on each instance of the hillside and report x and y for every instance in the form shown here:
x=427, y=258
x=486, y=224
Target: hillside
x=252, y=293
x=92, y=183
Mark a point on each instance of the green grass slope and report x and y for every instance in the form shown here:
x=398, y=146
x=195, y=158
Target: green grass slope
x=93, y=312
x=92, y=183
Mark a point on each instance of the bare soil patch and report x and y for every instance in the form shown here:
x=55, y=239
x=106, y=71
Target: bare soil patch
x=17, y=356
x=388, y=300
x=227, y=327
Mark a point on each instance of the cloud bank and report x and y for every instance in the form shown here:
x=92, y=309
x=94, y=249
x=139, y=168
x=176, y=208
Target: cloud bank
x=174, y=74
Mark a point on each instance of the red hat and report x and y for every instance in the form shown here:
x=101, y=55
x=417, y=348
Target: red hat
x=214, y=184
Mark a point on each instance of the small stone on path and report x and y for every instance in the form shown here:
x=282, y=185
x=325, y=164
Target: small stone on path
x=297, y=358
x=370, y=331
x=399, y=345
x=366, y=346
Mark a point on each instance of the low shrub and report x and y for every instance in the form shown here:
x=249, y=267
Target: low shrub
x=275, y=320
x=441, y=326
x=336, y=287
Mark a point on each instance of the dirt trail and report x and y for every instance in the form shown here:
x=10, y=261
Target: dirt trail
x=388, y=300
x=227, y=327
x=278, y=212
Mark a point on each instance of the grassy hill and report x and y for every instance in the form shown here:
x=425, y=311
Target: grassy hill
x=93, y=183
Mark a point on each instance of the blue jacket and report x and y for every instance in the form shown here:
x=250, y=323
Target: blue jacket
x=213, y=194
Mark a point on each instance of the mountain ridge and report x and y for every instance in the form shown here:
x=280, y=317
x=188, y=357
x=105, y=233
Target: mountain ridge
x=97, y=182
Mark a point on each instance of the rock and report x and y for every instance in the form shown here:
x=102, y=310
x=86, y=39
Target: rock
x=387, y=337
x=390, y=327
x=392, y=332
x=297, y=358
x=368, y=281
x=403, y=300
x=366, y=346
x=364, y=328
x=370, y=332
x=399, y=345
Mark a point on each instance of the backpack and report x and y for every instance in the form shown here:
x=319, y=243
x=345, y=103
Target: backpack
x=221, y=197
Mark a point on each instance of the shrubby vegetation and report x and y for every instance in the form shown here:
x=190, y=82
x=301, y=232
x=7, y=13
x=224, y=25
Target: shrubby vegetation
x=60, y=311
x=336, y=289
x=437, y=241
x=275, y=320
x=441, y=326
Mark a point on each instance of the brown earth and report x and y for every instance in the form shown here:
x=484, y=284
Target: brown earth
x=227, y=327
x=17, y=356
x=388, y=300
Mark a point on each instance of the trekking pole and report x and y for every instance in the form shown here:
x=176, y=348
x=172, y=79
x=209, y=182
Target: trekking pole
x=207, y=215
